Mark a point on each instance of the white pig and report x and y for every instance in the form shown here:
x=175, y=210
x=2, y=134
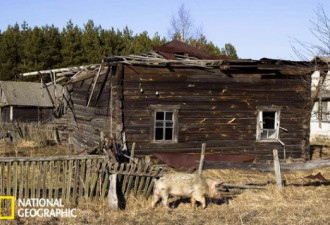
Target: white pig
x=187, y=185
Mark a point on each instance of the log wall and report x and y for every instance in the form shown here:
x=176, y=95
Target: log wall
x=216, y=108
x=90, y=121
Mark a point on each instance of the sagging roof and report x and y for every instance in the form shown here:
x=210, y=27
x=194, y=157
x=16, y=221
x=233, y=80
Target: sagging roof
x=28, y=94
x=179, y=54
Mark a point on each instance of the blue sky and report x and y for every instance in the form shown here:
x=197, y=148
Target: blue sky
x=256, y=28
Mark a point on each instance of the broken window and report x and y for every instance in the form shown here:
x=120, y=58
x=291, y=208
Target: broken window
x=165, y=124
x=268, y=124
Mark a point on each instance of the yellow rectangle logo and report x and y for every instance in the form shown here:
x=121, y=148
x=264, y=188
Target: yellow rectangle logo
x=12, y=207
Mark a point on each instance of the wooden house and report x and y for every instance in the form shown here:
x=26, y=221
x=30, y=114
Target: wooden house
x=25, y=102
x=175, y=101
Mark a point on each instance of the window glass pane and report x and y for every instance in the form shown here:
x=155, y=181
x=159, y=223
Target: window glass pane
x=159, y=124
x=159, y=134
x=169, y=115
x=168, y=134
x=268, y=120
x=271, y=133
x=159, y=115
x=169, y=124
x=264, y=134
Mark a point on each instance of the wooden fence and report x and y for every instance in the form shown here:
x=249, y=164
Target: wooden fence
x=72, y=177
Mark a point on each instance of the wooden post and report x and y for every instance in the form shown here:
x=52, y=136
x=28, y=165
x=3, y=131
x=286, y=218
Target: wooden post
x=277, y=170
x=201, y=162
x=132, y=153
x=112, y=194
x=11, y=113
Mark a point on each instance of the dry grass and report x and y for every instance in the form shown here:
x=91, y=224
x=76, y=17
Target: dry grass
x=302, y=201
x=31, y=148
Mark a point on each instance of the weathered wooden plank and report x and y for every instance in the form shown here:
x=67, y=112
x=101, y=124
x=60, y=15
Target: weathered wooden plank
x=112, y=193
x=64, y=179
x=120, y=177
x=45, y=171
x=33, y=180
x=157, y=172
x=57, y=179
x=143, y=178
x=21, y=184
x=27, y=175
x=137, y=178
x=69, y=179
x=9, y=179
x=50, y=158
x=94, y=176
x=76, y=169
x=98, y=191
x=277, y=170
x=50, y=178
x=15, y=178
x=82, y=178
x=106, y=177
x=127, y=171
x=88, y=175
x=130, y=179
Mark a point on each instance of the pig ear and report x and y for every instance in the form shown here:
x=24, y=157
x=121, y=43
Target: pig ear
x=217, y=183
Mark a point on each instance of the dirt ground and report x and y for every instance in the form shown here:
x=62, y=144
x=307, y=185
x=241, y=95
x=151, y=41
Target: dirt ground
x=302, y=201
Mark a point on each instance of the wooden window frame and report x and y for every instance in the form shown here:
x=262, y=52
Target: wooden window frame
x=260, y=110
x=165, y=108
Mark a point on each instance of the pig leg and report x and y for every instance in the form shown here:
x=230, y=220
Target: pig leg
x=201, y=199
x=193, y=202
x=165, y=199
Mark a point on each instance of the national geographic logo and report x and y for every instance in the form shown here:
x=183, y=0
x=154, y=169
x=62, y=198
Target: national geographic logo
x=6, y=200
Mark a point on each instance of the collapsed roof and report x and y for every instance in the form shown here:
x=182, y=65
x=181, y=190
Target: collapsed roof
x=28, y=94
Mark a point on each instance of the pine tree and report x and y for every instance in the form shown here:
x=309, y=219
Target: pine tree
x=91, y=43
x=72, y=50
x=34, y=47
x=10, y=52
x=51, y=54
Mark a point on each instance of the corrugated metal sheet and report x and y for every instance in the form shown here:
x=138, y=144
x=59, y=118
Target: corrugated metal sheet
x=172, y=48
x=27, y=93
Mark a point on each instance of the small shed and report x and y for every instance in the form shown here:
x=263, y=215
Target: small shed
x=25, y=102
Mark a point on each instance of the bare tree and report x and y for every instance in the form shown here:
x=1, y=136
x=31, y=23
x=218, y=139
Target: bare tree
x=182, y=27
x=320, y=28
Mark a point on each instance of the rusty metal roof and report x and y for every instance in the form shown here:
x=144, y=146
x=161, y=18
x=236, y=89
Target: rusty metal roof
x=174, y=49
x=26, y=94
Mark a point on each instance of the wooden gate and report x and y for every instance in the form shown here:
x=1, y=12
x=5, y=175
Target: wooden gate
x=72, y=177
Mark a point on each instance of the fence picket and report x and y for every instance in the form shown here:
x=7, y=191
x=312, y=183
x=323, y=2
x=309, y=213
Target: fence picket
x=71, y=177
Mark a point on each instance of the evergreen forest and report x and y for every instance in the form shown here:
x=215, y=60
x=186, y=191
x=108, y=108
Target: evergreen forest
x=24, y=48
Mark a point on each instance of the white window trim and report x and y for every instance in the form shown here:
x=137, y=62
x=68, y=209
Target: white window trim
x=277, y=111
x=165, y=108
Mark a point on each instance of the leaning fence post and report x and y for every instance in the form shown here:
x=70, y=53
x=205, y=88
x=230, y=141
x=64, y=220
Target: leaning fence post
x=201, y=161
x=132, y=153
x=112, y=194
x=277, y=170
